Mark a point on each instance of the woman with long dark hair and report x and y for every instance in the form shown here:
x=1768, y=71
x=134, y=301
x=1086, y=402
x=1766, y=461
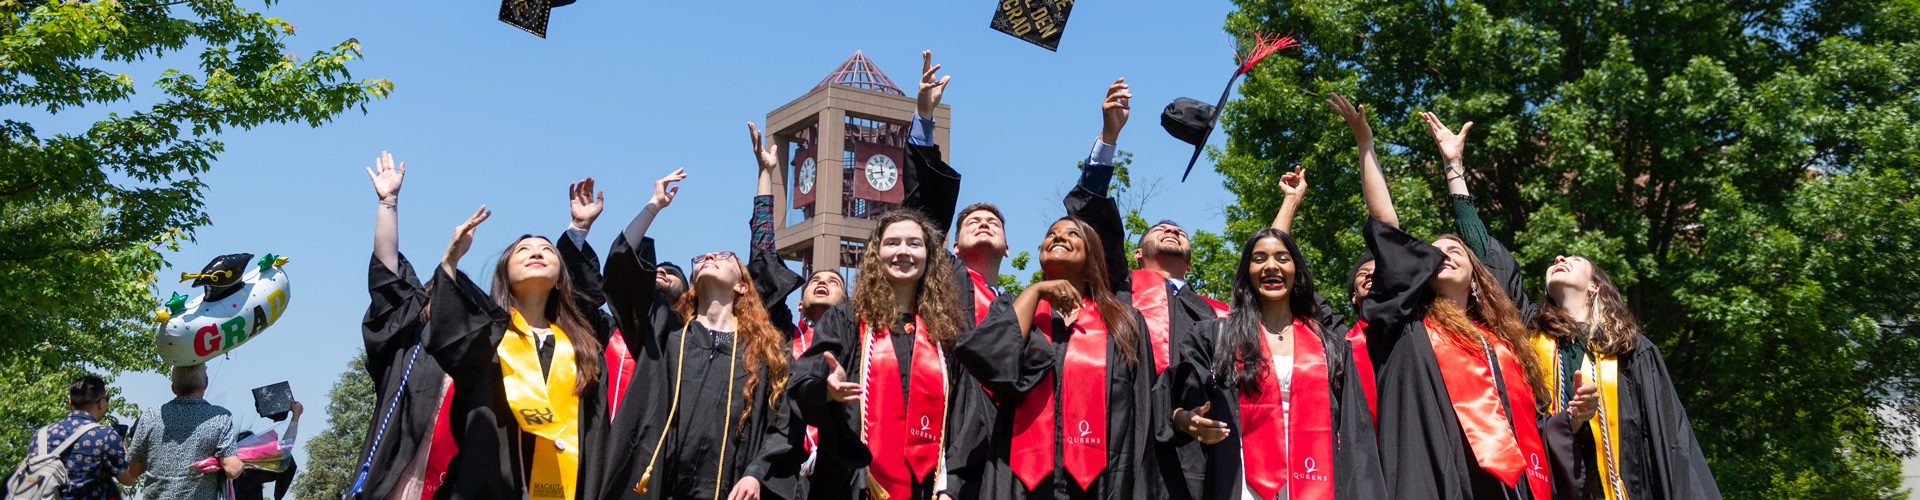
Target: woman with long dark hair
x=1074, y=365
x=1625, y=434
x=713, y=419
x=1456, y=404
x=1288, y=416
x=527, y=359
x=878, y=381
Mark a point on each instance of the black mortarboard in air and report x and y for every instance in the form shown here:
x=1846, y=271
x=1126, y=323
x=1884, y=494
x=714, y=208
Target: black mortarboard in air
x=529, y=15
x=1191, y=120
x=221, y=277
x=273, y=401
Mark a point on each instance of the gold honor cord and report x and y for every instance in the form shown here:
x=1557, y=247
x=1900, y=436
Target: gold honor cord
x=1605, y=373
x=726, y=427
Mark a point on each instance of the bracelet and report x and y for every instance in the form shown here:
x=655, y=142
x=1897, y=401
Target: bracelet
x=393, y=204
x=1457, y=165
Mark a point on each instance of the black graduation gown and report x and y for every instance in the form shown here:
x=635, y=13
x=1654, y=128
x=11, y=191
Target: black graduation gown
x=1659, y=457
x=1182, y=461
x=997, y=355
x=764, y=446
x=933, y=187
x=1424, y=453
x=839, y=471
x=1356, y=456
x=495, y=457
x=390, y=330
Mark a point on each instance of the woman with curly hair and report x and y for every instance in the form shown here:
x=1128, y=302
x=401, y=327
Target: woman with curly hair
x=878, y=380
x=711, y=418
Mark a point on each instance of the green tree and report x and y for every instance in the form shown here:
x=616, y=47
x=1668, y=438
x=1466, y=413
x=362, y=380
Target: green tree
x=1744, y=170
x=333, y=457
x=85, y=215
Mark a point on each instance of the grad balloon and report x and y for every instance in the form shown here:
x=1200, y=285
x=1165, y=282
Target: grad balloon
x=241, y=298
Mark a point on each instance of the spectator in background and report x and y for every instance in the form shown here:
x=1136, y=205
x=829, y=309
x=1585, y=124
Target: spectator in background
x=98, y=455
x=168, y=440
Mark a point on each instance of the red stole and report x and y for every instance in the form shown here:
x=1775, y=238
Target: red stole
x=982, y=295
x=1507, y=449
x=1271, y=440
x=1363, y=361
x=619, y=372
x=1150, y=297
x=1219, y=308
x=803, y=339
x=904, y=437
x=1083, y=405
x=441, y=451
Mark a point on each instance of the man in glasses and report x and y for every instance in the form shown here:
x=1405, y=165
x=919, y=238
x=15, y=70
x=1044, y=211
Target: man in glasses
x=96, y=455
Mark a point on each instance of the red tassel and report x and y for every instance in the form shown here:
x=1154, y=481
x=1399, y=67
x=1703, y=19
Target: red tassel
x=1264, y=46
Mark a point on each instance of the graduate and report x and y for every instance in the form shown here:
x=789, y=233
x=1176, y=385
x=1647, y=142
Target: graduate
x=1293, y=189
x=530, y=413
x=1072, y=363
x=1456, y=403
x=1273, y=393
x=1168, y=306
x=978, y=247
x=1630, y=437
x=409, y=440
x=774, y=281
x=720, y=368
x=879, y=379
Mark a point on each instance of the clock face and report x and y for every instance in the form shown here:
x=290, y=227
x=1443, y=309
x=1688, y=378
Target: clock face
x=807, y=174
x=882, y=174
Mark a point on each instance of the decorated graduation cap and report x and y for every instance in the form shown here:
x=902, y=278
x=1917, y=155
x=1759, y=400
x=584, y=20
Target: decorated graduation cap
x=273, y=401
x=529, y=15
x=240, y=297
x=1191, y=120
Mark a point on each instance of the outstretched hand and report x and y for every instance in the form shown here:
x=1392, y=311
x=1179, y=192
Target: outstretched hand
x=1194, y=424
x=1114, y=111
x=462, y=239
x=1355, y=115
x=1294, y=184
x=839, y=390
x=931, y=88
x=1452, y=146
x=763, y=151
x=585, y=203
x=386, y=180
x=664, y=189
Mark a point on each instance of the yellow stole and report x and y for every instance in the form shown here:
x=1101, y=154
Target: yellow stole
x=544, y=406
x=1606, y=437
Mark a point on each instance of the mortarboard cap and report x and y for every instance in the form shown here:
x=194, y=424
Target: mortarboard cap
x=1191, y=120
x=273, y=401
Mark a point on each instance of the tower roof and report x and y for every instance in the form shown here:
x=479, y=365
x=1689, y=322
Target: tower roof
x=859, y=72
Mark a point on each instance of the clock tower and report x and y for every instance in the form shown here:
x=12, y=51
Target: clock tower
x=843, y=144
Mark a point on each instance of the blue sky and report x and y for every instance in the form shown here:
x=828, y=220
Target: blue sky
x=625, y=92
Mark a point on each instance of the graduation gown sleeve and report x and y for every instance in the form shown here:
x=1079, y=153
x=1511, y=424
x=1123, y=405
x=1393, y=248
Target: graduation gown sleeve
x=1674, y=465
x=392, y=322
x=390, y=331
x=933, y=186
x=1402, y=267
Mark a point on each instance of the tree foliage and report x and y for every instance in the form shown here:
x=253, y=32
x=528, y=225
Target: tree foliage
x=1744, y=170
x=333, y=457
x=85, y=215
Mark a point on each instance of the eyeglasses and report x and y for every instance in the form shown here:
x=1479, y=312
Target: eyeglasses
x=721, y=255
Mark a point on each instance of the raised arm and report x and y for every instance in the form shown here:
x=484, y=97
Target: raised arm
x=1293, y=187
x=1089, y=199
x=1466, y=220
x=771, y=277
x=1373, y=183
x=932, y=186
x=582, y=263
x=386, y=224
x=632, y=293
